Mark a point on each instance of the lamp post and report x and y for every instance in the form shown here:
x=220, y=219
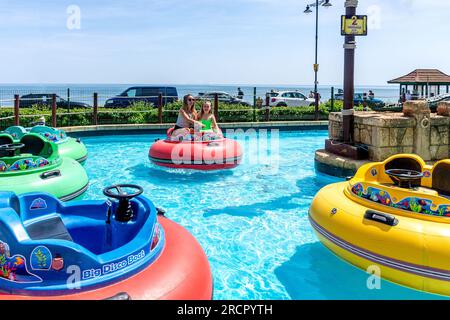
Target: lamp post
x=326, y=4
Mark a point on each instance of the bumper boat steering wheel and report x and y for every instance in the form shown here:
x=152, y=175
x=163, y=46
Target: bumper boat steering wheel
x=405, y=178
x=124, y=211
x=11, y=148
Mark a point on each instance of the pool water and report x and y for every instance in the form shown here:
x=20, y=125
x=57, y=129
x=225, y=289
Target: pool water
x=252, y=221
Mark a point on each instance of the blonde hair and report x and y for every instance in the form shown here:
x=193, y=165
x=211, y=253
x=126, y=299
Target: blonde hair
x=201, y=114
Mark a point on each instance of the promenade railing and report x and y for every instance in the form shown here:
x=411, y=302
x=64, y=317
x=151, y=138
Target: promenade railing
x=20, y=110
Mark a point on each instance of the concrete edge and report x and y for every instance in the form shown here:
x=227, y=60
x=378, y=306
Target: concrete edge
x=335, y=165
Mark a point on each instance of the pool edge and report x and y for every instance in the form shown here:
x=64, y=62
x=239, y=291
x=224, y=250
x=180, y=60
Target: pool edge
x=98, y=130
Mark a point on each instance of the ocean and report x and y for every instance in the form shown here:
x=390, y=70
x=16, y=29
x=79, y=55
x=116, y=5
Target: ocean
x=84, y=92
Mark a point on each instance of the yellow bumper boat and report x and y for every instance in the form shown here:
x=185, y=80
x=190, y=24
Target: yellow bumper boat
x=395, y=215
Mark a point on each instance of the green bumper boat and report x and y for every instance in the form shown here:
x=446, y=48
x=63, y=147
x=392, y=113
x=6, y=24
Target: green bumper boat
x=33, y=164
x=67, y=146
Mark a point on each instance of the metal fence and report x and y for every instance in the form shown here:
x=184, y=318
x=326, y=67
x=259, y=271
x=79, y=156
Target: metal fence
x=20, y=108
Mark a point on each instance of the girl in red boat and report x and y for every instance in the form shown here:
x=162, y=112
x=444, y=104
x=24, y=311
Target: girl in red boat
x=207, y=118
x=210, y=130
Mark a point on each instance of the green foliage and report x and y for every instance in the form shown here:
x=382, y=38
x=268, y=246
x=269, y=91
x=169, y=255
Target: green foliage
x=296, y=113
x=334, y=106
x=415, y=207
x=141, y=106
x=42, y=259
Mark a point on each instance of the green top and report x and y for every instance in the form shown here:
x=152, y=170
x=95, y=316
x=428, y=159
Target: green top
x=207, y=124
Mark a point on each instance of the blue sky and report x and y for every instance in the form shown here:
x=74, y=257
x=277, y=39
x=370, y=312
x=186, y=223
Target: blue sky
x=214, y=41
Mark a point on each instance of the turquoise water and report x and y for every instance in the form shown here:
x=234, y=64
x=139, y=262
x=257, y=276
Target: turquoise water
x=251, y=221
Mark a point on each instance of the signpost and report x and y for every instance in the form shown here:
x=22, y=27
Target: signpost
x=354, y=25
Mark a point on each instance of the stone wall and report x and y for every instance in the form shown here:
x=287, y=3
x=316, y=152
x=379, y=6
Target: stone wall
x=415, y=130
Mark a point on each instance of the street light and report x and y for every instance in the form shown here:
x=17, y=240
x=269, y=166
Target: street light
x=326, y=4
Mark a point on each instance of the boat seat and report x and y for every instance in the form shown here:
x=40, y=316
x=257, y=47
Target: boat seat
x=51, y=228
x=404, y=163
x=5, y=139
x=441, y=181
x=33, y=145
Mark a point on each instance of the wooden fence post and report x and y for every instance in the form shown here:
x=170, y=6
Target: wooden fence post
x=68, y=106
x=95, y=110
x=16, y=110
x=267, y=107
x=54, y=110
x=332, y=99
x=160, y=107
x=216, y=106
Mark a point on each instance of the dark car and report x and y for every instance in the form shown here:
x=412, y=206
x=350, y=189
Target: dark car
x=45, y=99
x=358, y=99
x=222, y=97
x=148, y=94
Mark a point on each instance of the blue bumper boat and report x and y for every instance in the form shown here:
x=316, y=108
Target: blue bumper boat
x=120, y=248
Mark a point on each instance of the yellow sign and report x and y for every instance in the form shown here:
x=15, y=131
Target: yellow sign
x=354, y=26
x=316, y=67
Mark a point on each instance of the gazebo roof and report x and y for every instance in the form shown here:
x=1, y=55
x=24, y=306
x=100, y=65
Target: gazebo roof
x=423, y=76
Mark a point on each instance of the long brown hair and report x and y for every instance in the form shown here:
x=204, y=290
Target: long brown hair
x=186, y=106
x=200, y=115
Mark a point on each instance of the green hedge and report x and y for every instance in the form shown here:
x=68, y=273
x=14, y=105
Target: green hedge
x=142, y=112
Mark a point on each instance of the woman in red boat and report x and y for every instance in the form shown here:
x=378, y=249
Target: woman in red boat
x=187, y=117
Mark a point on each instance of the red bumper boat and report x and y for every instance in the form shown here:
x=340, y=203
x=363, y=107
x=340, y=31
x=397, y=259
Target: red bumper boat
x=199, y=153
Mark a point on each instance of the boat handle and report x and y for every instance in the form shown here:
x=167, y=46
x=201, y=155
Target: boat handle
x=381, y=217
x=50, y=174
x=120, y=296
x=160, y=212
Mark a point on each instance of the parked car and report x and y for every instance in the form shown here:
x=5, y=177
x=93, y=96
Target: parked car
x=222, y=96
x=289, y=99
x=147, y=94
x=45, y=99
x=358, y=99
x=434, y=101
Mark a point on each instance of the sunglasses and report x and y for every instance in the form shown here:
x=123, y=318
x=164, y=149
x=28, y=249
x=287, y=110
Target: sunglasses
x=191, y=99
